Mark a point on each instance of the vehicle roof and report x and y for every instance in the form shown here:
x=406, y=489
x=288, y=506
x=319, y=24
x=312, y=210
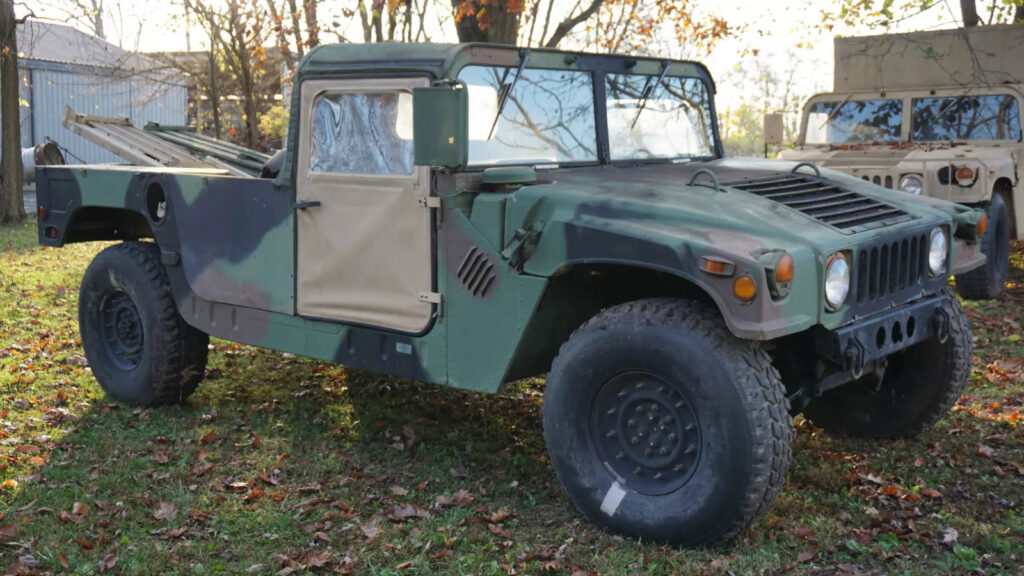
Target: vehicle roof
x=438, y=59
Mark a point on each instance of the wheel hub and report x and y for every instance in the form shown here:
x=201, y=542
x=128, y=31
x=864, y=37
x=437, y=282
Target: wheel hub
x=123, y=336
x=646, y=432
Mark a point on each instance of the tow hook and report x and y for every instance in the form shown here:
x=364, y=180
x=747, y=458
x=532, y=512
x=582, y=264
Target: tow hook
x=941, y=324
x=854, y=355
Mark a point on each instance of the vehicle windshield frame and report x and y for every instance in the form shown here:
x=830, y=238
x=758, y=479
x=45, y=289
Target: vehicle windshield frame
x=598, y=66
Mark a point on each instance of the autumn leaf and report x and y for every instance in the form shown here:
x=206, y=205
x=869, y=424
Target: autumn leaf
x=500, y=516
x=986, y=451
x=458, y=499
x=370, y=529
x=208, y=438
x=165, y=511
x=807, y=554
x=397, y=491
x=9, y=531
x=930, y=493
x=403, y=512
x=80, y=509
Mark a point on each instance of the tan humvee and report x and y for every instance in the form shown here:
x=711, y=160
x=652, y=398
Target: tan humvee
x=934, y=113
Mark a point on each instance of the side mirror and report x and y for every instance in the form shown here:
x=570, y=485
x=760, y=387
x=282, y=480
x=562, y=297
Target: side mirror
x=773, y=129
x=440, y=126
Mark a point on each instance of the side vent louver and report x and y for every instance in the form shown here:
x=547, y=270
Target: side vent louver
x=828, y=203
x=476, y=273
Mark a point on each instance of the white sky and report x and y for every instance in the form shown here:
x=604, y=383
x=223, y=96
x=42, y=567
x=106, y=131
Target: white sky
x=786, y=33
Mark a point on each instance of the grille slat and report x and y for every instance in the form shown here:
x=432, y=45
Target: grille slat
x=476, y=272
x=830, y=204
x=890, y=270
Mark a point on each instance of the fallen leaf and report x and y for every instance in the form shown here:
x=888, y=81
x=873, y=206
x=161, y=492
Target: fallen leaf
x=930, y=493
x=986, y=451
x=949, y=535
x=9, y=531
x=406, y=511
x=370, y=529
x=459, y=499
x=807, y=554
x=500, y=516
x=165, y=511
x=80, y=509
x=404, y=565
x=208, y=437
x=397, y=491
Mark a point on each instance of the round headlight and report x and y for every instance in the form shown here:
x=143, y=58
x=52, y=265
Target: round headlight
x=837, y=280
x=937, y=249
x=911, y=184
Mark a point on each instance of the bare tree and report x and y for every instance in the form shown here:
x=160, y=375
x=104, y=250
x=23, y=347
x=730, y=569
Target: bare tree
x=12, y=208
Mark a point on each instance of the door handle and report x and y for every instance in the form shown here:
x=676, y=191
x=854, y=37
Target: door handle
x=304, y=205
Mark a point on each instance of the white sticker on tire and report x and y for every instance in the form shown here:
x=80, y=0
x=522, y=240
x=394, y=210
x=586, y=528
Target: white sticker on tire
x=612, y=499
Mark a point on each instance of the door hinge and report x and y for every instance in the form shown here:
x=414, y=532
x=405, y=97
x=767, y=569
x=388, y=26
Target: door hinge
x=429, y=201
x=432, y=297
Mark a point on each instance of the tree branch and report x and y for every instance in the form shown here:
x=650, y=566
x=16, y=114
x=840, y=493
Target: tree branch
x=566, y=26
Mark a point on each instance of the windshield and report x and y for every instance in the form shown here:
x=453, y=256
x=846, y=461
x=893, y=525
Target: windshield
x=993, y=117
x=854, y=122
x=669, y=120
x=548, y=117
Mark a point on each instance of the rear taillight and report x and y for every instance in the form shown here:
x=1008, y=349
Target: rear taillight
x=41, y=212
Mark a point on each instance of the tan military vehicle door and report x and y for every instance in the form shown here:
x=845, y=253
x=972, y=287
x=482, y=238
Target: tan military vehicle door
x=364, y=241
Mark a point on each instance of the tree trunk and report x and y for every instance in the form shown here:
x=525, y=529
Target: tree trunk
x=296, y=29
x=969, y=10
x=500, y=27
x=312, y=23
x=12, y=207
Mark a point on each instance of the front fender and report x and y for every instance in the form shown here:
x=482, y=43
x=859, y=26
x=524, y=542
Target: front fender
x=677, y=251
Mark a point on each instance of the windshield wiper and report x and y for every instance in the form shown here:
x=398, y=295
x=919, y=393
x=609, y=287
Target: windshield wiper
x=523, y=59
x=646, y=94
x=835, y=111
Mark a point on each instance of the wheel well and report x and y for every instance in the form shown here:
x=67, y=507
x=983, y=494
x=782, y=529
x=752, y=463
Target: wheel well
x=102, y=223
x=576, y=295
x=1004, y=188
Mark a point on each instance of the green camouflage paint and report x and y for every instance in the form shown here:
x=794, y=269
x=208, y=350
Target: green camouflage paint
x=228, y=243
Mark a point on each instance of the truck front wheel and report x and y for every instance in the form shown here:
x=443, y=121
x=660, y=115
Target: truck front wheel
x=919, y=386
x=140, y=349
x=987, y=282
x=662, y=425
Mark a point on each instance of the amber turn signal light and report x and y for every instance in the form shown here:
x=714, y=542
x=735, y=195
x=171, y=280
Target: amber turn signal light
x=982, y=225
x=717, y=266
x=744, y=288
x=784, y=269
x=965, y=176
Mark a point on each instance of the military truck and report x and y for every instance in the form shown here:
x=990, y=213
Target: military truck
x=470, y=215
x=932, y=113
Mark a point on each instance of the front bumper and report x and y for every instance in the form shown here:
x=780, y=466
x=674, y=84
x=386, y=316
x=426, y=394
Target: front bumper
x=967, y=256
x=860, y=346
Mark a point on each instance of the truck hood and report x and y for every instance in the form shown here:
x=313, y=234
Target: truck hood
x=683, y=200
x=888, y=156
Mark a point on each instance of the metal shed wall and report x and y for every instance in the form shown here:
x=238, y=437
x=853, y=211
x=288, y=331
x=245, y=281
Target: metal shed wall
x=93, y=91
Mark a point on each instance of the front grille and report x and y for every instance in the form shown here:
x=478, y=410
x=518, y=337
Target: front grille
x=879, y=179
x=886, y=270
x=842, y=209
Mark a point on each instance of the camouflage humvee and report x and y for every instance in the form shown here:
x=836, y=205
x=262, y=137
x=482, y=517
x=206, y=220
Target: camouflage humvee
x=470, y=215
x=933, y=113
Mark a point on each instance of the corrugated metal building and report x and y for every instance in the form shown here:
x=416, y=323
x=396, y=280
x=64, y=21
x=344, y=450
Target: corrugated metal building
x=61, y=67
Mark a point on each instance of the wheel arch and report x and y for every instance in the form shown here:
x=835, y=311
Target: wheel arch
x=581, y=290
x=98, y=223
x=1004, y=187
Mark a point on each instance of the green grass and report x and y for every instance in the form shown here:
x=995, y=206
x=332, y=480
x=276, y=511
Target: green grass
x=282, y=463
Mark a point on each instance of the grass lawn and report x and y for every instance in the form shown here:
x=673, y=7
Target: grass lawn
x=284, y=465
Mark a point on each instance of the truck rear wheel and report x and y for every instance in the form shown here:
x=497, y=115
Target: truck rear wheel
x=140, y=349
x=662, y=425
x=987, y=282
x=919, y=386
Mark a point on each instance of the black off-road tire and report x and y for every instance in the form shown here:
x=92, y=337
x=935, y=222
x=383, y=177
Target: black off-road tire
x=140, y=349
x=987, y=282
x=919, y=387
x=665, y=375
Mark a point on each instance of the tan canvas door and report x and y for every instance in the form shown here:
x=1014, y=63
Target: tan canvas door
x=364, y=252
